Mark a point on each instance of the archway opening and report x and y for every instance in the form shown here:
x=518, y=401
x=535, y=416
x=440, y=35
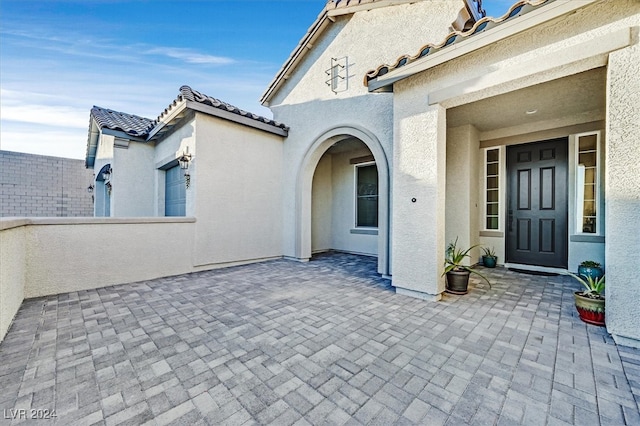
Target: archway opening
x=345, y=200
x=327, y=196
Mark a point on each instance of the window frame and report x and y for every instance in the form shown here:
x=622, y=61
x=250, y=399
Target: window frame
x=500, y=188
x=355, y=192
x=579, y=191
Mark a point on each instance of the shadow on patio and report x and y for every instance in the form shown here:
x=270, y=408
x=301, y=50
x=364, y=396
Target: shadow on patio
x=327, y=342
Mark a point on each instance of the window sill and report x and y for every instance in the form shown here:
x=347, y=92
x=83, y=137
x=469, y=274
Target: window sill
x=364, y=231
x=583, y=238
x=496, y=234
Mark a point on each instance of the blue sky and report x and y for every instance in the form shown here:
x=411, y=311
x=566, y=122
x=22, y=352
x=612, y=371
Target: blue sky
x=58, y=58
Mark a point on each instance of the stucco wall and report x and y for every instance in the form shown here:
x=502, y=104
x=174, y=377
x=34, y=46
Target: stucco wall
x=322, y=206
x=133, y=180
x=37, y=185
x=622, y=250
x=343, y=206
x=12, y=271
x=238, y=187
x=64, y=256
x=310, y=108
x=462, y=188
x=178, y=141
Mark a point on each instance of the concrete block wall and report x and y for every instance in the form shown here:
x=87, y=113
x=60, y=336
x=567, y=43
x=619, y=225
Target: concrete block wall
x=42, y=186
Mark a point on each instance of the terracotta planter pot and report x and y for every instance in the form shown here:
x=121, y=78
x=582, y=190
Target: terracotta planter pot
x=458, y=282
x=590, y=310
x=489, y=261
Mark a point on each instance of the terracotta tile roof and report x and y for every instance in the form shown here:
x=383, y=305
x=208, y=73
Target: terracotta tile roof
x=188, y=94
x=130, y=124
x=517, y=9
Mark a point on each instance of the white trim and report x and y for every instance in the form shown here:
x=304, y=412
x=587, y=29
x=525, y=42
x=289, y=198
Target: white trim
x=501, y=172
x=355, y=192
x=579, y=195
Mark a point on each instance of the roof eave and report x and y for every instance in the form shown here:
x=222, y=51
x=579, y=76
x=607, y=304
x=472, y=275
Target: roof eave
x=92, y=143
x=315, y=30
x=506, y=29
x=168, y=119
x=236, y=118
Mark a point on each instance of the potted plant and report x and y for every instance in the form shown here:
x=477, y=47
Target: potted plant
x=590, y=302
x=489, y=257
x=458, y=274
x=589, y=268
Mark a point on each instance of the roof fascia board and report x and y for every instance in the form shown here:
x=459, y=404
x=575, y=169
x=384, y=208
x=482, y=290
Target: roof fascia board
x=236, y=118
x=347, y=10
x=120, y=134
x=175, y=111
x=315, y=30
x=92, y=148
x=581, y=57
x=503, y=31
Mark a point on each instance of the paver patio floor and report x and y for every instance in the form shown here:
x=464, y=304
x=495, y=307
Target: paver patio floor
x=324, y=342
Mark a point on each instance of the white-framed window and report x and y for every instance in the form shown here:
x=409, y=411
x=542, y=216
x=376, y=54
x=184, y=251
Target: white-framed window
x=492, y=189
x=587, y=152
x=366, y=179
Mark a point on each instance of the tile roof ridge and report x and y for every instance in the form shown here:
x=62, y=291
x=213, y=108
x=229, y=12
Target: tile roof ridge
x=482, y=24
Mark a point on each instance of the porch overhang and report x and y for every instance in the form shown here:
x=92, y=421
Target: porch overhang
x=477, y=41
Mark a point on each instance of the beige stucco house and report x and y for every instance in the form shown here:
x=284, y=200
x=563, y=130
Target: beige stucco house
x=409, y=124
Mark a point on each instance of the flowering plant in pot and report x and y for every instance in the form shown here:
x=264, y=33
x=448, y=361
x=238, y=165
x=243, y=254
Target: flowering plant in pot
x=589, y=268
x=489, y=257
x=456, y=272
x=590, y=303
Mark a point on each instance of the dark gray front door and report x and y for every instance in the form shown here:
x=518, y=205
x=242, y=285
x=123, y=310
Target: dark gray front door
x=175, y=196
x=537, y=203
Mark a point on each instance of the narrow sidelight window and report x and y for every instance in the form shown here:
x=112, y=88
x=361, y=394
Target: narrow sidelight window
x=366, y=195
x=587, y=182
x=492, y=189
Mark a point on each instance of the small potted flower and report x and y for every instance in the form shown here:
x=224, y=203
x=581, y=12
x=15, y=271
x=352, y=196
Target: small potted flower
x=589, y=268
x=489, y=257
x=590, y=303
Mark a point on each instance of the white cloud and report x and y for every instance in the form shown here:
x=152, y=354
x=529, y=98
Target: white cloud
x=191, y=56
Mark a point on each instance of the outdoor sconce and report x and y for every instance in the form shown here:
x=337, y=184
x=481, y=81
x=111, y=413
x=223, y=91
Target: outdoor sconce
x=106, y=175
x=184, y=161
x=90, y=189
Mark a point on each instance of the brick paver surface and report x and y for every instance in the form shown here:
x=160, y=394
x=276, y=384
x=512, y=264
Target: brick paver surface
x=324, y=342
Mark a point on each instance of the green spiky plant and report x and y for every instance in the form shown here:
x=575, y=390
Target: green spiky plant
x=594, y=287
x=454, y=257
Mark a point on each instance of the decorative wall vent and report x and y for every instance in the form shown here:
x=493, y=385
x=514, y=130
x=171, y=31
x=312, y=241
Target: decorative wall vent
x=338, y=74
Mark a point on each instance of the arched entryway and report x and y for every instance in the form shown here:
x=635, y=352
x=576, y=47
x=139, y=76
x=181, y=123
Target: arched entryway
x=102, y=206
x=358, y=141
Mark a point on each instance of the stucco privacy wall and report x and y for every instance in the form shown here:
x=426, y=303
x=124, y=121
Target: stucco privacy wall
x=307, y=104
x=12, y=270
x=239, y=193
x=622, y=250
x=38, y=185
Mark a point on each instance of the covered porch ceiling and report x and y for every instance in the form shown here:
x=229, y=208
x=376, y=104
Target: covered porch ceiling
x=568, y=101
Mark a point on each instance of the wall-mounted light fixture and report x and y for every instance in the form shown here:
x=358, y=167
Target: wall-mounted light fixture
x=106, y=175
x=184, y=161
x=90, y=189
